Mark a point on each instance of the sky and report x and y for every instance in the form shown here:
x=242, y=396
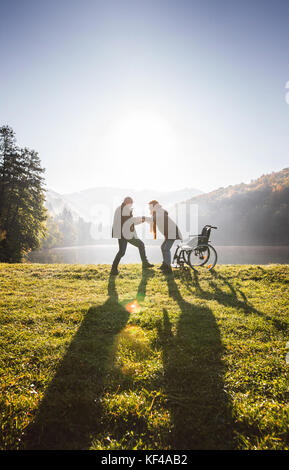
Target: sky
x=162, y=94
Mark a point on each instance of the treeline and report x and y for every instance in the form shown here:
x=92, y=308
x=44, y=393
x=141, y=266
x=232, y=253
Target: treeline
x=22, y=212
x=249, y=214
x=64, y=230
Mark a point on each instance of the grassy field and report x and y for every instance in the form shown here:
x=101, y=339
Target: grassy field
x=144, y=361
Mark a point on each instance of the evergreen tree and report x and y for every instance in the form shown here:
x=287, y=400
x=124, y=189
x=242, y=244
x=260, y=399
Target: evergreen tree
x=67, y=227
x=53, y=236
x=22, y=212
x=83, y=232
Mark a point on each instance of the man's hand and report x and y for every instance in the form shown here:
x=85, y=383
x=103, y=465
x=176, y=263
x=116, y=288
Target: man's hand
x=142, y=219
x=147, y=219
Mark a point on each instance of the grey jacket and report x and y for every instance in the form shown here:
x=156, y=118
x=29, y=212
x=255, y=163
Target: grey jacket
x=165, y=224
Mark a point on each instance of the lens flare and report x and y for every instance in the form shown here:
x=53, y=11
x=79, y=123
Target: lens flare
x=133, y=307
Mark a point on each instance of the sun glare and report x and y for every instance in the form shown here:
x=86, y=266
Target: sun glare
x=146, y=137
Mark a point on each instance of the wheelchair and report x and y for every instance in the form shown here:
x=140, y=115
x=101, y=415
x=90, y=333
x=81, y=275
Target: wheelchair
x=196, y=251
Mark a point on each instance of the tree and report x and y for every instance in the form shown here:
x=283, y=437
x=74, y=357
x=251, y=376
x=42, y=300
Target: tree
x=22, y=211
x=53, y=236
x=83, y=232
x=67, y=227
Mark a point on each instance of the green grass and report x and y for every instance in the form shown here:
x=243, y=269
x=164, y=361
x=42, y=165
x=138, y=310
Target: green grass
x=198, y=364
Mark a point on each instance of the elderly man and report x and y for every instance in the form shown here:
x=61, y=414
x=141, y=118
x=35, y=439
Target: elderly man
x=124, y=229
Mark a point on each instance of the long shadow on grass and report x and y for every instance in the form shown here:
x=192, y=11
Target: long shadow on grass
x=199, y=407
x=233, y=297
x=70, y=413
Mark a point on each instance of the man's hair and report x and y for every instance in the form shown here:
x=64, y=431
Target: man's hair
x=153, y=202
x=127, y=200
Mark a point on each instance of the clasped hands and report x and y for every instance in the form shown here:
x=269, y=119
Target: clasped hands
x=146, y=219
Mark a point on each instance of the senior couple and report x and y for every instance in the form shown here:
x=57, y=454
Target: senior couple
x=124, y=229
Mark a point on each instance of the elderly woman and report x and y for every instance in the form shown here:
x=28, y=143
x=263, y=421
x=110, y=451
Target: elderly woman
x=161, y=220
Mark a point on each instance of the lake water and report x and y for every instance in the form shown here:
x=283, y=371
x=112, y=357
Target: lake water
x=104, y=254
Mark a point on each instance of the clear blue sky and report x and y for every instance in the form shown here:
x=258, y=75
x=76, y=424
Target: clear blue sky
x=161, y=93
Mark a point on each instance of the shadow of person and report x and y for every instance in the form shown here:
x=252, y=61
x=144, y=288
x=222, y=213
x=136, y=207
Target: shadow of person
x=193, y=373
x=141, y=292
x=70, y=412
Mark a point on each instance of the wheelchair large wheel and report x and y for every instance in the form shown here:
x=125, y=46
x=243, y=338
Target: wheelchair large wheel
x=203, y=255
x=212, y=260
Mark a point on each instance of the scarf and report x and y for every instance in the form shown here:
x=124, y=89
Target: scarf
x=154, y=225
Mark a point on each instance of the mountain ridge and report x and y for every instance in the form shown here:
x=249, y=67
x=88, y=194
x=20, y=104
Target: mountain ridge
x=84, y=203
x=253, y=213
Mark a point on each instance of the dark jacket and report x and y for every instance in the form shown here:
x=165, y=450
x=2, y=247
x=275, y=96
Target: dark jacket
x=123, y=216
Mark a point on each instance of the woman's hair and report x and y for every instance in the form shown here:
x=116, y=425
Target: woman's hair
x=154, y=202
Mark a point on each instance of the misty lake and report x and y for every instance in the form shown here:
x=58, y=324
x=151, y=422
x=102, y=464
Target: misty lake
x=104, y=254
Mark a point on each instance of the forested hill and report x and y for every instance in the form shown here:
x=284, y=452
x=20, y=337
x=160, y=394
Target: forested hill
x=254, y=213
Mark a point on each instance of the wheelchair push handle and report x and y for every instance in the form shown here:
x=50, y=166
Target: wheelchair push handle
x=206, y=226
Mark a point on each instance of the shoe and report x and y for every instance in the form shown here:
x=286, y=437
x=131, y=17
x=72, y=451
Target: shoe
x=114, y=272
x=147, y=265
x=166, y=269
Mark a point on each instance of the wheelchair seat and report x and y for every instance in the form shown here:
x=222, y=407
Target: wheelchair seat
x=185, y=247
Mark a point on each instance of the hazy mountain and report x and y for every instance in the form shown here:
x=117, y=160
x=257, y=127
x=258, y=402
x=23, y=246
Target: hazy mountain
x=87, y=203
x=254, y=213
x=55, y=203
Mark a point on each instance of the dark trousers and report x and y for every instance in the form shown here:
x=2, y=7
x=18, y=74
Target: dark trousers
x=122, y=243
x=166, y=251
